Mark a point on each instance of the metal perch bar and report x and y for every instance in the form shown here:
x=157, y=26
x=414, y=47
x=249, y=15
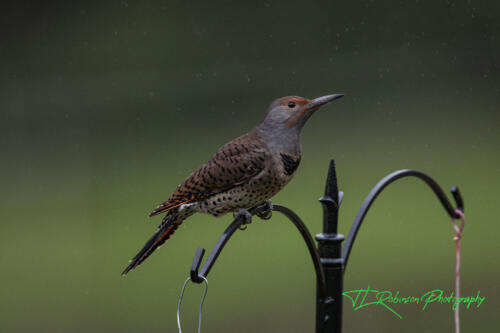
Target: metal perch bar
x=299, y=224
x=235, y=225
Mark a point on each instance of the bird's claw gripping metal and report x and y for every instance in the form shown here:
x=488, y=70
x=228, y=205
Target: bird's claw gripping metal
x=247, y=217
x=267, y=211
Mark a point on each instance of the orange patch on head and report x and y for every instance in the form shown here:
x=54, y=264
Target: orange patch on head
x=299, y=103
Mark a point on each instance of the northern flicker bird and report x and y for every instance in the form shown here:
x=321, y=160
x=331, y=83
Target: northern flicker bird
x=243, y=173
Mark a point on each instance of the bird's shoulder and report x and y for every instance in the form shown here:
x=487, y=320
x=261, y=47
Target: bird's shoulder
x=245, y=146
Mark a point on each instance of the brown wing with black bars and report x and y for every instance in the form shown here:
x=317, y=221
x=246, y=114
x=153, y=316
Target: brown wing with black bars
x=233, y=164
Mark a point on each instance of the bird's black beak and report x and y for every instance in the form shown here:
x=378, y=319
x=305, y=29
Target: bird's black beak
x=317, y=102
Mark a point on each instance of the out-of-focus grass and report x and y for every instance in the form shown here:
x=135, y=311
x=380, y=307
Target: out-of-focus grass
x=75, y=211
x=96, y=129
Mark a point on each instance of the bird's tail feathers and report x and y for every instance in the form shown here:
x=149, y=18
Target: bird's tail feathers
x=169, y=224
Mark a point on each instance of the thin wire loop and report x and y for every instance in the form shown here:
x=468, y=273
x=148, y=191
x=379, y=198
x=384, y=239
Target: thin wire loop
x=458, y=236
x=201, y=303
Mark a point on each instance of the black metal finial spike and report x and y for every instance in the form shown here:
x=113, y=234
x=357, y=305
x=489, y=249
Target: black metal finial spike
x=331, y=201
x=331, y=188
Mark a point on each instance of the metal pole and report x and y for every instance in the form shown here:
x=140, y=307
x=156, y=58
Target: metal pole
x=329, y=306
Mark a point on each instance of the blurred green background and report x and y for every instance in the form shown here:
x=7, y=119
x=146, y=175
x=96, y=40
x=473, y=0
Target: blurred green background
x=105, y=108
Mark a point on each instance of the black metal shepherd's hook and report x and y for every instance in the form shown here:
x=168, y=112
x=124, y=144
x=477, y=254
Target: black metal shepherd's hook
x=329, y=259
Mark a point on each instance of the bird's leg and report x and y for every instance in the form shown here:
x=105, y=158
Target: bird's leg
x=247, y=217
x=267, y=211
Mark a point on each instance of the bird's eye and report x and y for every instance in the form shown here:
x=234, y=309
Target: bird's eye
x=291, y=105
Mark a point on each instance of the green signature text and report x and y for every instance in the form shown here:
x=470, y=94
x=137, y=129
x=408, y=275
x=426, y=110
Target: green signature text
x=362, y=298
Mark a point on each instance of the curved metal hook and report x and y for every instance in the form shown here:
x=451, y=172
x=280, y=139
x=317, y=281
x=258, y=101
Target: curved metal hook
x=311, y=245
x=198, y=277
x=383, y=184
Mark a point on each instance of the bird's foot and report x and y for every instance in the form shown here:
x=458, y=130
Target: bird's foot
x=267, y=210
x=247, y=217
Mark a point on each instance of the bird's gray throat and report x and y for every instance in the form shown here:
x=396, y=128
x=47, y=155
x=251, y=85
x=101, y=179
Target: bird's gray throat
x=280, y=138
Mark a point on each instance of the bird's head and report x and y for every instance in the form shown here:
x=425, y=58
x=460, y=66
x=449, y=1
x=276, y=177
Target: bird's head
x=285, y=118
x=293, y=111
